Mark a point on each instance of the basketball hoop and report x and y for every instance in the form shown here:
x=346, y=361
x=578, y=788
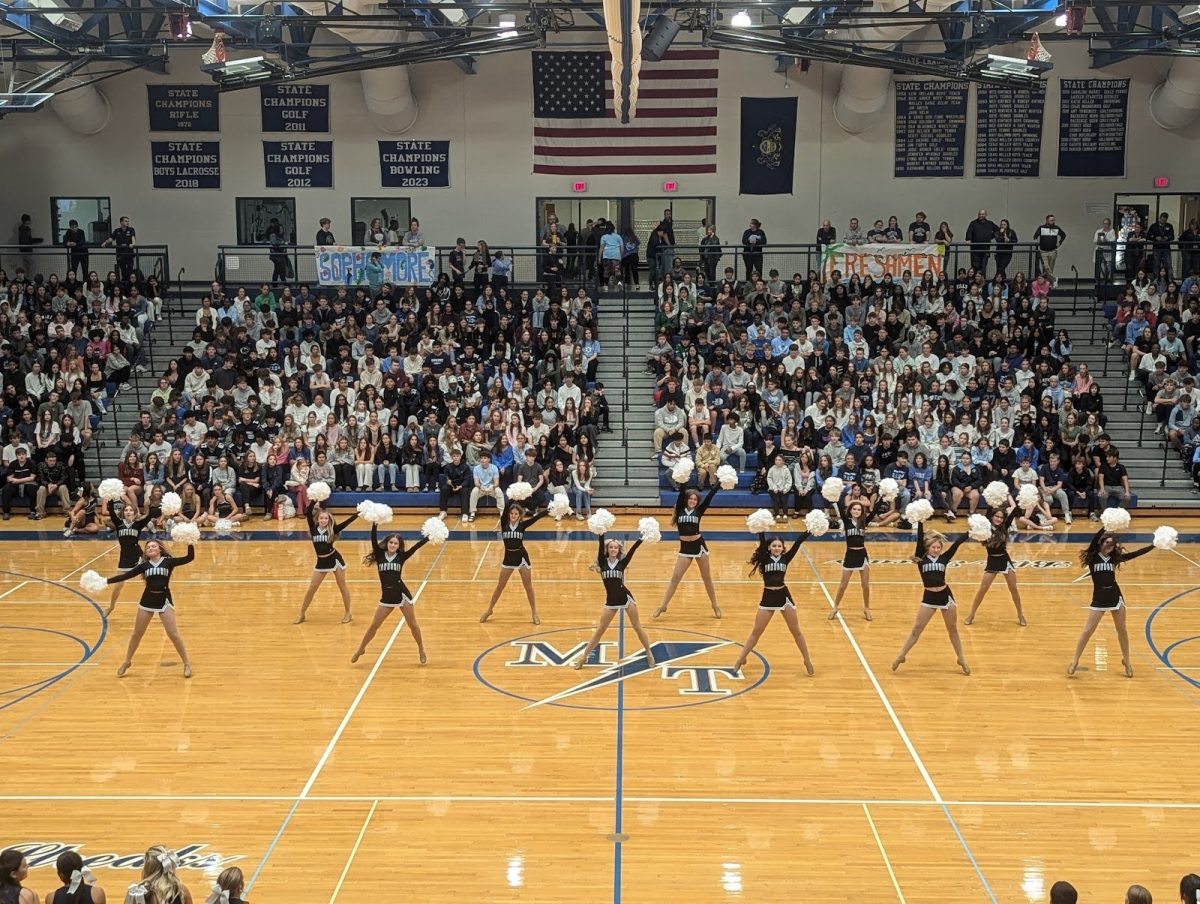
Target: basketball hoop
x=1036, y=50
x=216, y=53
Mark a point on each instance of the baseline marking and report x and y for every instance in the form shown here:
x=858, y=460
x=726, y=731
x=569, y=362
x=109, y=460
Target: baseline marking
x=353, y=852
x=883, y=853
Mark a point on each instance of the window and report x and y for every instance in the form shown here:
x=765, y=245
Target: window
x=94, y=216
x=364, y=210
x=256, y=216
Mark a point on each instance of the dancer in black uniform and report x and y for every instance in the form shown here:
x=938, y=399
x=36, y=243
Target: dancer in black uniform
x=998, y=562
x=771, y=561
x=1103, y=556
x=612, y=564
x=128, y=531
x=855, y=518
x=229, y=887
x=937, y=597
x=516, y=558
x=155, y=567
x=324, y=532
x=389, y=558
x=689, y=509
x=78, y=882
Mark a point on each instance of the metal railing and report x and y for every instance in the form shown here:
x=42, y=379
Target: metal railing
x=47, y=260
x=625, y=378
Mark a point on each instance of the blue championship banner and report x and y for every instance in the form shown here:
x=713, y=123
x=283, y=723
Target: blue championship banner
x=186, y=164
x=298, y=164
x=346, y=265
x=294, y=108
x=414, y=164
x=184, y=108
x=1092, y=120
x=931, y=128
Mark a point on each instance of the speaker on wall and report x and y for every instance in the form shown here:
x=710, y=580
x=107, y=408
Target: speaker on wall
x=656, y=44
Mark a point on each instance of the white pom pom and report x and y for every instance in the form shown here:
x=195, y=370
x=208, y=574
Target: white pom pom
x=979, y=528
x=186, y=533
x=833, y=489
x=918, y=511
x=760, y=521
x=650, y=530
x=92, y=582
x=224, y=526
x=1165, y=537
x=319, y=491
x=727, y=477
x=601, y=522
x=171, y=504
x=559, y=506
x=889, y=489
x=682, y=472
x=111, y=489
x=520, y=490
x=1028, y=495
x=374, y=512
x=995, y=493
x=1115, y=519
x=816, y=522
x=435, y=530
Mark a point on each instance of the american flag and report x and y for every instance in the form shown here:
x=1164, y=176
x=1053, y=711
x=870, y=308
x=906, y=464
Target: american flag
x=575, y=131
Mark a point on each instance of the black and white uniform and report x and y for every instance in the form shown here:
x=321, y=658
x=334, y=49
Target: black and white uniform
x=513, y=538
x=1106, y=592
x=855, y=557
x=127, y=537
x=62, y=896
x=392, y=589
x=89, y=511
x=998, y=559
x=775, y=595
x=156, y=595
x=224, y=509
x=328, y=558
x=612, y=572
x=687, y=522
x=937, y=594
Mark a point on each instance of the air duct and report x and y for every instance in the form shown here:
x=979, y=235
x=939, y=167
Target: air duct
x=1175, y=102
x=83, y=109
x=864, y=89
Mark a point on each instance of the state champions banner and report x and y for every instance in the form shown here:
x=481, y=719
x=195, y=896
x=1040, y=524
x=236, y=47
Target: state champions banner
x=346, y=265
x=877, y=259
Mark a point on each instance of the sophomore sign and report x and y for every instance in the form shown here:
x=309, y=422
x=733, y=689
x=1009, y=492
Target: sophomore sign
x=184, y=108
x=295, y=108
x=346, y=265
x=414, y=164
x=876, y=260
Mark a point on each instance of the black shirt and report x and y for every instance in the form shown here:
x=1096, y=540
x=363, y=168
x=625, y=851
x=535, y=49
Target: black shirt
x=325, y=237
x=123, y=237
x=920, y=231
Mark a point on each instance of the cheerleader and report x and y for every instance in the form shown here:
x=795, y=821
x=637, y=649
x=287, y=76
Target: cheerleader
x=83, y=518
x=155, y=567
x=128, y=531
x=160, y=878
x=855, y=518
x=612, y=564
x=998, y=562
x=689, y=509
x=78, y=882
x=324, y=532
x=1103, y=556
x=389, y=558
x=932, y=562
x=229, y=887
x=771, y=561
x=516, y=557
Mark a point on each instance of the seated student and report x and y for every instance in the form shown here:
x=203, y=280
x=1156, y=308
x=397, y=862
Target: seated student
x=455, y=485
x=1113, y=481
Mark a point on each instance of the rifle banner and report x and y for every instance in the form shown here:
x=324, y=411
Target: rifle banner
x=346, y=265
x=877, y=259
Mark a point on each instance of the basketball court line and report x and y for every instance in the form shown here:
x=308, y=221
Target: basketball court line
x=618, y=816
x=482, y=559
x=905, y=739
x=337, y=889
x=883, y=853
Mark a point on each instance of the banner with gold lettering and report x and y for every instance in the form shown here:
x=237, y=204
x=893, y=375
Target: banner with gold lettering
x=877, y=259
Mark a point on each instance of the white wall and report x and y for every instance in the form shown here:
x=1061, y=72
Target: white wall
x=488, y=119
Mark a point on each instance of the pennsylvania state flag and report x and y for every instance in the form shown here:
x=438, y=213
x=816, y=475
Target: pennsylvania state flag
x=768, y=145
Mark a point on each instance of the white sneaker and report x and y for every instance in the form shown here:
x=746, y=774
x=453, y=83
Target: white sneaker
x=126, y=387
x=464, y=519
x=441, y=516
x=1067, y=517
x=1131, y=376
x=141, y=368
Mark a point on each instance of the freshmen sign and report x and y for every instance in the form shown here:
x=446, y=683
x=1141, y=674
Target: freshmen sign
x=346, y=265
x=876, y=260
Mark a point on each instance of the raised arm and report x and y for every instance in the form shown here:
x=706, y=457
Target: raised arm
x=628, y=557
x=1009, y=520
x=310, y=513
x=529, y=522
x=410, y=551
x=800, y=538
x=338, y=528
x=375, y=547
x=600, y=552
x=949, y=553
x=703, y=507
x=1125, y=557
x=920, y=539
x=132, y=572
x=184, y=559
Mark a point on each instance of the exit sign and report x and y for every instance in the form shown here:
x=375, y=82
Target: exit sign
x=578, y=186
x=670, y=186
x=1161, y=182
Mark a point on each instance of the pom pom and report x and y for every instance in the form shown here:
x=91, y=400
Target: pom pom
x=649, y=529
x=224, y=526
x=918, y=511
x=979, y=528
x=601, y=522
x=559, y=506
x=1028, y=495
x=816, y=522
x=111, y=489
x=727, y=477
x=319, y=491
x=682, y=472
x=995, y=493
x=92, y=582
x=186, y=533
x=520, y=490
x=833, y=489
x=1165, y=537
x=889, y=489
x=760, y=521
x=374, y=512
x=1115, y=519
x=435, y=531
x=171, y=504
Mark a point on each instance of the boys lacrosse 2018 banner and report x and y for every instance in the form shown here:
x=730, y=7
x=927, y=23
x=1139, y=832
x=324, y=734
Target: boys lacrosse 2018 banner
x=346, y=265
x=877, y=259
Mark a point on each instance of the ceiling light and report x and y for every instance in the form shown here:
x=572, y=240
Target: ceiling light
x=741, y=19
x=1061, y=20
x=508, y=26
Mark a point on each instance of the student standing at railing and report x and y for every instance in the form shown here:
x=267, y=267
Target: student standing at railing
x=1104, y=241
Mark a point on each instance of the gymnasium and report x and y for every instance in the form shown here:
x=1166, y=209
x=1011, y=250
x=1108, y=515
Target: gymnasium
x=590, y=336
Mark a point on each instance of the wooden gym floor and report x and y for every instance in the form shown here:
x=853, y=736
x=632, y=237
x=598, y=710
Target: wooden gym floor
x=325, y=781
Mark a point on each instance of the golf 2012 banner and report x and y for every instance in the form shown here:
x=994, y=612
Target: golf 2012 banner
x=350, y=265
x=877, y=259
